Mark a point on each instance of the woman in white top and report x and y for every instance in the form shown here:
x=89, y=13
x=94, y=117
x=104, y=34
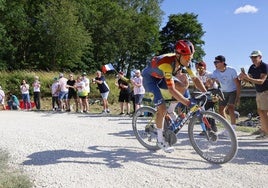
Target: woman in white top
x=24, y=88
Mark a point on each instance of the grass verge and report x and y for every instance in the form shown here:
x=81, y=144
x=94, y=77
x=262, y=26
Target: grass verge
x=11, y=178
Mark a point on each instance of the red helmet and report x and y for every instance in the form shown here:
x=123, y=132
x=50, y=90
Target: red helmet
x=184, y=47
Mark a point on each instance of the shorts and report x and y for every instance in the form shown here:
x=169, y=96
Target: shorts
x=229, y=98
x=138, y=98
x=72, y=95
x=105, y=95
x=124, y=97
x=262, y=100
x=153, y=85
x=63, y=95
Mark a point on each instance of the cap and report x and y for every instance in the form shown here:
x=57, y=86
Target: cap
x=202, y=64
x=137, y=72
x=255, y=53
x=84, y=74
x=61, y=75
x=220, y=58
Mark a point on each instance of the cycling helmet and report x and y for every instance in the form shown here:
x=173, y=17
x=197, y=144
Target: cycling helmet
x=184, y=47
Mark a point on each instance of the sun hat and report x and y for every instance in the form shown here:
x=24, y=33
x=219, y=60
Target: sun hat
x=255, y=53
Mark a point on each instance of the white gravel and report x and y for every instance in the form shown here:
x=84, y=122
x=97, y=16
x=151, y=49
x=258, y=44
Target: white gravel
x=87, y=150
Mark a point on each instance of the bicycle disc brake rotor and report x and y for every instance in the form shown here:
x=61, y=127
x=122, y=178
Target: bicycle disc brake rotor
x=170, y=137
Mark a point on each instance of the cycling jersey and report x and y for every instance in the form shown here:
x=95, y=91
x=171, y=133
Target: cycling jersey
x=158, y=74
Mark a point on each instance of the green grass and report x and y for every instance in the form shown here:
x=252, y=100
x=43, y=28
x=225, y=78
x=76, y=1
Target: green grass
x=11, y=178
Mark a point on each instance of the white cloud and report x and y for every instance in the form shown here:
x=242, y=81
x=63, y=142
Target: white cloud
x=246, y=9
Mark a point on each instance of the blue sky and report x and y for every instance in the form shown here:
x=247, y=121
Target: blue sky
x=234, y=28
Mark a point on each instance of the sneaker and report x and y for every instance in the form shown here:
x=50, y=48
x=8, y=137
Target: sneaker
x=165, y=147
x=103, y=112
x=262, y=136
x=121, y=114
x=108, y=111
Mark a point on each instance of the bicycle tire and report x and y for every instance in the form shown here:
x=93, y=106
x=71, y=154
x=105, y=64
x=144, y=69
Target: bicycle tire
x=219, y=149
x=144, y=127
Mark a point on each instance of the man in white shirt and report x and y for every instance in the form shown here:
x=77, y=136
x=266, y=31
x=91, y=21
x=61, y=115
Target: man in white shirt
x=63, y=95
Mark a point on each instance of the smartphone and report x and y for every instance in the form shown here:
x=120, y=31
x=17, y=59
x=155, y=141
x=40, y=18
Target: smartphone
x=242, y=70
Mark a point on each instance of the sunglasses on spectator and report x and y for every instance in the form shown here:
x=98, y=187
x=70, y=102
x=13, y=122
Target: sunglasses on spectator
x=200, y=68
x=216, y=62
x=253, y=57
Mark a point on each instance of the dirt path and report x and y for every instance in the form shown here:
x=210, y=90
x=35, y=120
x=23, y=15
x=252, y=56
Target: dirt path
x=87, y=150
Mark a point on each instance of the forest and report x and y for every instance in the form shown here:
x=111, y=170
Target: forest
x=83, y=35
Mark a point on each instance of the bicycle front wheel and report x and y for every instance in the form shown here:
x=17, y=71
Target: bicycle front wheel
x=218, y=145
x=144, y=127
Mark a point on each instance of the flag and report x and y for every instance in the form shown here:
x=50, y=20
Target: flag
x=107, y=67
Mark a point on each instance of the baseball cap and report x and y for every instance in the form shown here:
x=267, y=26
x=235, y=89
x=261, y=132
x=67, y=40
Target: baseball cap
x=202, y=64
x=84, y=74
x=61, y=75
x=220, y=58
x=255, y=53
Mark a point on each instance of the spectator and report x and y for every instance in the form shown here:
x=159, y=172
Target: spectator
x=228, y=79
x=63, y=94
x=72, y=93
x=55, y=94
x=124, y=95
x=104, y=90
x=205, y=77
x=24, y=88
x=138, y=89
x=13, y=102
x=87, y=85
x=36, y=89
x=2, y=98
x=82, y=93
x=257, y=74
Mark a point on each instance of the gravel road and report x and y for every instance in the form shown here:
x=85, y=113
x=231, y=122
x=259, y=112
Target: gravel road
x=86, y=150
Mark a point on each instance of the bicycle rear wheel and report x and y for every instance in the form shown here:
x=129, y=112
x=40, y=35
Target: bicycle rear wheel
x=144, y=127
x=219, y=147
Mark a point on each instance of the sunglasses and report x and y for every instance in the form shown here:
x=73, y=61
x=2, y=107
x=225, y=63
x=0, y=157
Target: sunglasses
x=200, y=69
x=216, y=62
x=254, y=57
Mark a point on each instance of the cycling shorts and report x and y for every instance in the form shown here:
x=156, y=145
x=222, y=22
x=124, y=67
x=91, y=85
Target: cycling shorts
x=153, y=85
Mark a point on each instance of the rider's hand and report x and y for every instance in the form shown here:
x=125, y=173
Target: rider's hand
x=192, y=105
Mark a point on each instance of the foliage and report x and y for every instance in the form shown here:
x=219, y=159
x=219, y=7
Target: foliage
x=82, y=35
x=247, y=105
x=183, y=26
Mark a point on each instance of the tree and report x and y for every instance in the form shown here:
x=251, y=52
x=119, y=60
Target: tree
x=183, y=26
x=64, y=39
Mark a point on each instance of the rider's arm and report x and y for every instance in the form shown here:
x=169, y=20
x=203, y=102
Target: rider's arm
x=197, y=82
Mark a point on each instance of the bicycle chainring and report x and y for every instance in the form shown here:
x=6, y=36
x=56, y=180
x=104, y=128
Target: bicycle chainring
x=170, y=137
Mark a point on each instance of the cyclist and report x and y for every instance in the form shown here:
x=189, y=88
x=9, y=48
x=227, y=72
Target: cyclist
x=159, y=75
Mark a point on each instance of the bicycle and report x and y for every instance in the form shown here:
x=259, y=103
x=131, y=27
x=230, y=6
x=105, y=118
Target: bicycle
x=213, y=147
